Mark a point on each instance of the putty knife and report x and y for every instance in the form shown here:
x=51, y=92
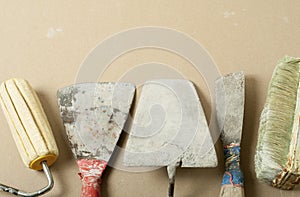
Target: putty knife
x=94, y=115
x=230, y=96
x=170, y=129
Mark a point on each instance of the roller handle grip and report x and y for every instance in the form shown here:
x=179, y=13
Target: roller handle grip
x=90, y=175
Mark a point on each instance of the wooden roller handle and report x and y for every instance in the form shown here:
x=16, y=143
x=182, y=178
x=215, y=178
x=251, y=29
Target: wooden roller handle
x=90, y=175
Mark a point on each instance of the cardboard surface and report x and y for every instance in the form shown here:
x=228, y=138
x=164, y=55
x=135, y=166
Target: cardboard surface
x=45, y=42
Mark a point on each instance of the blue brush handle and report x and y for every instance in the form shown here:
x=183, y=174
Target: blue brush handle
x=233, y=178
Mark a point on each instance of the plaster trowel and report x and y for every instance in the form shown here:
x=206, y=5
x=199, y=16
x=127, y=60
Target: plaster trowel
x=170, y=129
x=230, y=96
x=94, y=115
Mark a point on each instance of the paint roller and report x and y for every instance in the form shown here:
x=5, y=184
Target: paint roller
x=30, y=129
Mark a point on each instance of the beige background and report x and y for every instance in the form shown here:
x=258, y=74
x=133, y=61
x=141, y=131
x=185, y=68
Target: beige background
x=46, y=41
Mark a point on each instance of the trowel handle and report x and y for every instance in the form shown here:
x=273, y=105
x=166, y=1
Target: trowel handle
x=233, y=180
x=171, y=169
x=232, y=191
x=92, y=189
x=90, y=175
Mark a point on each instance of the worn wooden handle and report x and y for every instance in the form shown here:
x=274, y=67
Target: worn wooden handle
x=232, y=191
x=233, y=180
x=90, y=175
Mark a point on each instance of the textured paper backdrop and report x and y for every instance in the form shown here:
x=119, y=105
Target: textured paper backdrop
x=46, y=41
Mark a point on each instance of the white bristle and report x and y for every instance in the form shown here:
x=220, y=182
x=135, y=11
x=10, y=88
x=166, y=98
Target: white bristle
x=278, y=130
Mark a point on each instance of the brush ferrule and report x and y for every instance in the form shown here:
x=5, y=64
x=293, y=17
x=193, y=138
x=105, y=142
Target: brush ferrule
x=233, y=174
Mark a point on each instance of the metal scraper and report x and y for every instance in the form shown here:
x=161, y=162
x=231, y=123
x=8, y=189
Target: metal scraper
x=230, y=98
x=94, y=115
x=170, y=129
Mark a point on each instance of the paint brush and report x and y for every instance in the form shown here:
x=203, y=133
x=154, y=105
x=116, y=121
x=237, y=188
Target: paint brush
x=278, y=147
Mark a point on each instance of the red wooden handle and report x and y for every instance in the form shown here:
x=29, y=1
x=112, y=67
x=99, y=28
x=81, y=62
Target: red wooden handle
x=90, y=175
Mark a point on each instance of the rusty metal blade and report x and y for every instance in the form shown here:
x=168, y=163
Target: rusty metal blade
x=170, y=127
x=230, y=94
x=94, y=115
